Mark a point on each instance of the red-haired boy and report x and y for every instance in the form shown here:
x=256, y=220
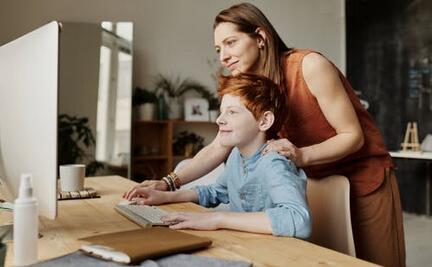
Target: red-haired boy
x=266, y=193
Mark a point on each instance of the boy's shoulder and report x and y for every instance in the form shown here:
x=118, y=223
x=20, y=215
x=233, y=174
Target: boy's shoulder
x=275, y=160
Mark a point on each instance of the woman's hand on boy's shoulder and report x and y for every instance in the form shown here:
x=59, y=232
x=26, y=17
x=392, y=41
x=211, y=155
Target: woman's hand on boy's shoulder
x=287, y=149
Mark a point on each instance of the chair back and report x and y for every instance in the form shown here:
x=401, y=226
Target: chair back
x=329, y=202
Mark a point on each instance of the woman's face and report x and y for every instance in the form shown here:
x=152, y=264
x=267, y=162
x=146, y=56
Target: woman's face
x=238, y=52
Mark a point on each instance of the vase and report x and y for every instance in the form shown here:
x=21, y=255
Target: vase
x=146, y=111
x=175, y=108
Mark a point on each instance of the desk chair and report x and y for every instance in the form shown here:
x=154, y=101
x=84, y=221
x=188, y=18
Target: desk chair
x=329, y=202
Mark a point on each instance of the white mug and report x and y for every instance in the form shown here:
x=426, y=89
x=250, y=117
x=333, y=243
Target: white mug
x=72, y=177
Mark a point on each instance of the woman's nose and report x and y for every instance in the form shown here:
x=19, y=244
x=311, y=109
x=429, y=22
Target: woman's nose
x=223, y=56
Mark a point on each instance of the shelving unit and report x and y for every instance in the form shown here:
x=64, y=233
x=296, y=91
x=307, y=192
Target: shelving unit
x=152, y=145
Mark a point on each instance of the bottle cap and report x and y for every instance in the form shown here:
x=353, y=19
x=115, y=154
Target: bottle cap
x=26, y=188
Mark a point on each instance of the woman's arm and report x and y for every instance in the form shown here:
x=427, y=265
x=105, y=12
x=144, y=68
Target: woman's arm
x=155, y=197
x=204, y=161
x=324, y=83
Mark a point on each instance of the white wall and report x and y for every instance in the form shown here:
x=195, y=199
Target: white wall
x=79, y=71
x=175, y=37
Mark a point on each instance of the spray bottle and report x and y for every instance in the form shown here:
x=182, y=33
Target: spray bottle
x=25, y=225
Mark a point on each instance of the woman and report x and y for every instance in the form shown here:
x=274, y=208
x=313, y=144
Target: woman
x=327, y=132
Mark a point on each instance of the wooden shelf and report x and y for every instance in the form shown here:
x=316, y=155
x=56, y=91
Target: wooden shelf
x=143, y=158
x=179, y=158
x=157, y=137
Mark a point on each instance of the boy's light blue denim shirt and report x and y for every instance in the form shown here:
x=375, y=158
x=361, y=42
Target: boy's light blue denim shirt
x=269, y=183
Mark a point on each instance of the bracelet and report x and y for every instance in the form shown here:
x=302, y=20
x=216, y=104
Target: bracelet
x=176, y=180
x=169, y=182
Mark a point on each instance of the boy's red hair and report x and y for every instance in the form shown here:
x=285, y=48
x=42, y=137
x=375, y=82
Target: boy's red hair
x=258, y=94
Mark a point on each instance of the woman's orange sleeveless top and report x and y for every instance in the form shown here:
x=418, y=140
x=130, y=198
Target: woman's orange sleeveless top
x=306, y=125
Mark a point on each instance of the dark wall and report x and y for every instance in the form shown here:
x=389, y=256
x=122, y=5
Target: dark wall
x=389, y=59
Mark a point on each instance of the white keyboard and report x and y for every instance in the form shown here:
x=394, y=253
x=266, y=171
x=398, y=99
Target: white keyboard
x=142, y=214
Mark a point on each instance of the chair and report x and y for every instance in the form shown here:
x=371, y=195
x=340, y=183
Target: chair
x=329, y=202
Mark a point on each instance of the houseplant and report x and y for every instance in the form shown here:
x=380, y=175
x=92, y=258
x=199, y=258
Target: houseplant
x=173, y=89
x=144, y=102
x=74, y=140
x=187, y=144
x=213, y=107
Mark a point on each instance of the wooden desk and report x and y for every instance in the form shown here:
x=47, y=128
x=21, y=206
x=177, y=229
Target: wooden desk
x=427, y=156
x=80, y=218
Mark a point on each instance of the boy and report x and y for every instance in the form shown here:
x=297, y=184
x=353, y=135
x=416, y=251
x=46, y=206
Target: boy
x=266, y=193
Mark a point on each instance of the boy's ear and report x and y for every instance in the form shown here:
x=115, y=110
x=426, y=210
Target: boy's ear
x=266, y=121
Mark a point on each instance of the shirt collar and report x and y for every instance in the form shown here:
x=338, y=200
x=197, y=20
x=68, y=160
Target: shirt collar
x=254, y=157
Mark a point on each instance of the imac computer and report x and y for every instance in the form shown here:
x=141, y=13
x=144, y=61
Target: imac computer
x=28, y=114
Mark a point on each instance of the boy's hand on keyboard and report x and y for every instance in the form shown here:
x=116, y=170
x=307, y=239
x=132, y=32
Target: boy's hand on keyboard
x=193, y=220
x=150, y=197
x=149, y=184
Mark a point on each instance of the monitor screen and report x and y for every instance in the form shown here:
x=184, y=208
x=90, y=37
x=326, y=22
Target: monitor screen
x=28, y=113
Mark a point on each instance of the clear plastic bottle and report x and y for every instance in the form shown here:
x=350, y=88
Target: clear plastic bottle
x=25, y=226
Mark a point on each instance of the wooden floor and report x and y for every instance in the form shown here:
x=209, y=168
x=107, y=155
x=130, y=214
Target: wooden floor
x=418, y=239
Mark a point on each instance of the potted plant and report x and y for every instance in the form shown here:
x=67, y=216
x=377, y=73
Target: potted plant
x=213, y=107
x=74, y=138
x=144, y=102
x=187, y=144
x=173, y=89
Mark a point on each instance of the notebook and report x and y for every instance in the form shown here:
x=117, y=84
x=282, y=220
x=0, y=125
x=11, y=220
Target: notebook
x=138, y=245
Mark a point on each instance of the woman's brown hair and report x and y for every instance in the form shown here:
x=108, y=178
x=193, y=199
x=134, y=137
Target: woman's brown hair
x=248, y=18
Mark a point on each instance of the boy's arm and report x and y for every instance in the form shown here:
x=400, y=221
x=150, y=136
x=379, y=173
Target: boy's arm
x=286, y=186
x=214, y=194
x=256, y=222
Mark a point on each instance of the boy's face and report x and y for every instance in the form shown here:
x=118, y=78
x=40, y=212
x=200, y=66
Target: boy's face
x=237, y=125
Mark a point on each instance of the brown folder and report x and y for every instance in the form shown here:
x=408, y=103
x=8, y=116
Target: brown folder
x=142, y=244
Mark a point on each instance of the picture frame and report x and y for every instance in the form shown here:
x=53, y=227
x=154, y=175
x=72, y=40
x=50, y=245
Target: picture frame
x=196, y=109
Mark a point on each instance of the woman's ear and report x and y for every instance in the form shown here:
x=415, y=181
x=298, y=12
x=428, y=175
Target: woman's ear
x=266, y=121
x=262, y=37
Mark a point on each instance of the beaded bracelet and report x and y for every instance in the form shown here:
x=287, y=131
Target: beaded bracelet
x=176, y=180
x=169, y=182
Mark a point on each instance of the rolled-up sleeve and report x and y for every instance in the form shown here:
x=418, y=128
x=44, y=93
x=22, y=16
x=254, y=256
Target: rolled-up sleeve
x=212, y=195
x=290, y=215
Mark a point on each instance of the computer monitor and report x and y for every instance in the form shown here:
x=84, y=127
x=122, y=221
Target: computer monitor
x=28, y=113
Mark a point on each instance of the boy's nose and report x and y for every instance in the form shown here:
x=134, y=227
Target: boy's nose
x=220, y=120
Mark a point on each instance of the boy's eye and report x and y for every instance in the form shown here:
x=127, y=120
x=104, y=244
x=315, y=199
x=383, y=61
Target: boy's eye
x=217, y=50
x=231, y=112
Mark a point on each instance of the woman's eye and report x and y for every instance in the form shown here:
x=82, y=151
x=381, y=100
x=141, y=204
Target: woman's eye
x=231, y=112
x=217, y=50
x=231, y=42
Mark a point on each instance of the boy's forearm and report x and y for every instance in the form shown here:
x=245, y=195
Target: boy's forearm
x=188, y=195
x=256, y=222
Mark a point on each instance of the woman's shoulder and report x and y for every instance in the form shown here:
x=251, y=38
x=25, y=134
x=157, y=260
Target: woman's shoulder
x=297, y=54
